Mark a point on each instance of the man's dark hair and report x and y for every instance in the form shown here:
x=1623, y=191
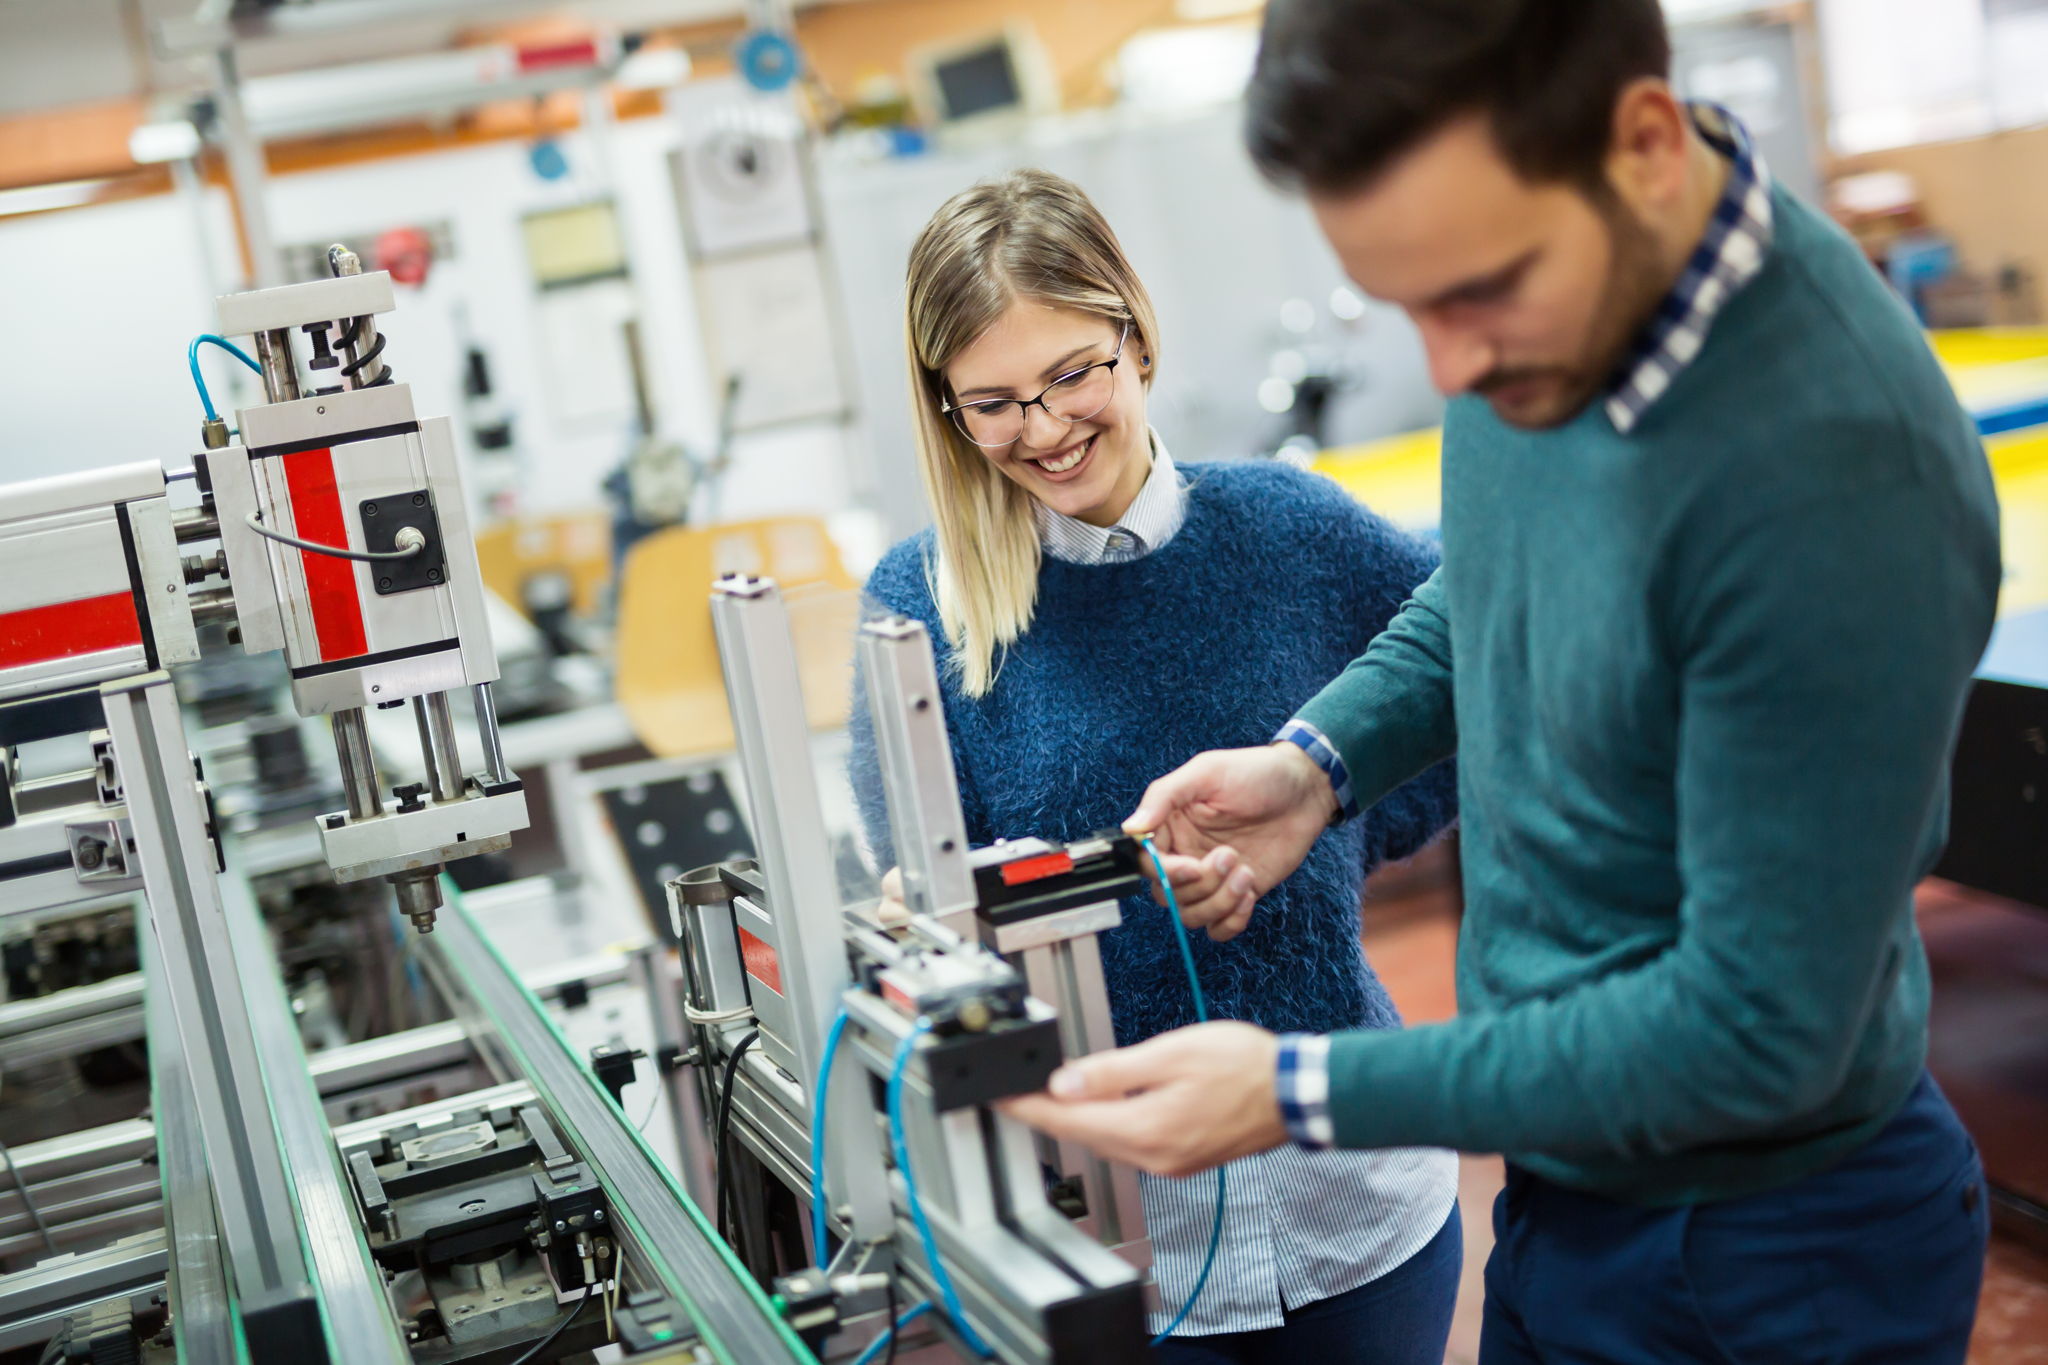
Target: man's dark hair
x=1344, y=87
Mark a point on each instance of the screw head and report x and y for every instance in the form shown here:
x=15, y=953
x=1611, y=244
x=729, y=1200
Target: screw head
x=419, y=500
x=370, y=509
x=384, y=583
x=433, y=575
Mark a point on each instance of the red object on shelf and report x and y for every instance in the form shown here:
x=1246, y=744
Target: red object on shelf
x=549, y=56
x=1035, y=869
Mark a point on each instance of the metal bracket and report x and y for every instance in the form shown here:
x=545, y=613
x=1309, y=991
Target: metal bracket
x=383, y=519
x=100, y=851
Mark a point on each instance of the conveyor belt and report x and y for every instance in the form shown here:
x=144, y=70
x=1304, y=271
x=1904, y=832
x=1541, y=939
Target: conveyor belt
x=728, y=1310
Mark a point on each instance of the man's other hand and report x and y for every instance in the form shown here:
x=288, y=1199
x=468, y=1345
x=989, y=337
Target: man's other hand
x=1231, y=825
x=1173, y=1105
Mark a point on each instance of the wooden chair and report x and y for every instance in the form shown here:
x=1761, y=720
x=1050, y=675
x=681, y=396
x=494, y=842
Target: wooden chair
x=669, y=682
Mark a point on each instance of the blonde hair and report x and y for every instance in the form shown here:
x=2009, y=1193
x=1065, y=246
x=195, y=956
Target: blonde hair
x=1030, y=234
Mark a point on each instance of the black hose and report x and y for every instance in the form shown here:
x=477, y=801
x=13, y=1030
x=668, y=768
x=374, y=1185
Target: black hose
x=560, y=1327
x=368, y=358
x=720, y=1139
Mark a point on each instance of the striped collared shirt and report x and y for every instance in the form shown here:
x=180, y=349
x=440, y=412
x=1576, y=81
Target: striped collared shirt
x=1298, y=1226
x=1148, y=523
x=1729, y=255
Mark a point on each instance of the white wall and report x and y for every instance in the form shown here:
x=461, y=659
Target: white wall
x=96, y=308
x=98, y=305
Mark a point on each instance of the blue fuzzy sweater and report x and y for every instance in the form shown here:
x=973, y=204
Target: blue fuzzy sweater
x=1276, y=581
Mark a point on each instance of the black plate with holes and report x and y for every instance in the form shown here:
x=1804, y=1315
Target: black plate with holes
x=383, y=519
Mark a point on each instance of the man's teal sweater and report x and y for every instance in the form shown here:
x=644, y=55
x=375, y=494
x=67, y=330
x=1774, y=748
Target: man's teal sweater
x=1702, y=680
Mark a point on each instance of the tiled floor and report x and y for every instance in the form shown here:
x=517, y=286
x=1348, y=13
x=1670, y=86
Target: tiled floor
x=1411, y=938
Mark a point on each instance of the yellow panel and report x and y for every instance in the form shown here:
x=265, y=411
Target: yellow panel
x=577, y=243
x=1401, y=478
x=2020, y=464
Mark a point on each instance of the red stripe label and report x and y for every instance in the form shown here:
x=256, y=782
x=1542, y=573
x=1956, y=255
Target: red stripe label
x=63, y=630
x=762, y=964
x=330, y=582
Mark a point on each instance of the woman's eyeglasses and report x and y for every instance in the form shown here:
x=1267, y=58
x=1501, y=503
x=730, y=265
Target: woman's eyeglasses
x=1075, y=396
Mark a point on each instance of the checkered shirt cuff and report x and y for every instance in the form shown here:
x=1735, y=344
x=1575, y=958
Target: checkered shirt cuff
x=1317, y=746
x=1303, y=1085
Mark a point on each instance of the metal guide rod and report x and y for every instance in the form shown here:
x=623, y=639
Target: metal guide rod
x=487, y=733
x=765, y=693
x=359, y=779
x=259, y=1221
x=438, y=745
x=918, y=780
x=280, y=366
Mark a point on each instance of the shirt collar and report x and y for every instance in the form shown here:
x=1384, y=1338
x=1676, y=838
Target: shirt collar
x=1737, y=239
x=1151, y=520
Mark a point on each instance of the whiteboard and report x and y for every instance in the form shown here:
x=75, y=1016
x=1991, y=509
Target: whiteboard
x=768, y=318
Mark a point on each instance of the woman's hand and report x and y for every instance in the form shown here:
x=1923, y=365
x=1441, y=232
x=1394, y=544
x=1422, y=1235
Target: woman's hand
x=892, y=910
x=1231, y=825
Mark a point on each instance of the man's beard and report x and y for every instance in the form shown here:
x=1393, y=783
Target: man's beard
x=1635, y=285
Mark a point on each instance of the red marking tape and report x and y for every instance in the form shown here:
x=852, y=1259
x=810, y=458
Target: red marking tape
x=761, y=962
x=330, y=582
x=64, y=630
x=1036, y=869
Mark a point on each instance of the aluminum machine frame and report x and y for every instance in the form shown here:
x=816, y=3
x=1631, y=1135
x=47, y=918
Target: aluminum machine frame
x=341, y=539
x=995, y=977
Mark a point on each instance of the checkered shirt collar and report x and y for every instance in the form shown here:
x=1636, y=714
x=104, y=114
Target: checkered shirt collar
x=1737, y=240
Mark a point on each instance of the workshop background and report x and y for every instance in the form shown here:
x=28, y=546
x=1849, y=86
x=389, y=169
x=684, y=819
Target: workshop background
x=649, y=256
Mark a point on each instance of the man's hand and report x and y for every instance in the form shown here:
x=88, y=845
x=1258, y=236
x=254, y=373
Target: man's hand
x=1172, y=1105
x=1231, y=825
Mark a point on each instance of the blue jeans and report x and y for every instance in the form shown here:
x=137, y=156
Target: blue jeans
x=1875, y=1261
x=1401, y=1318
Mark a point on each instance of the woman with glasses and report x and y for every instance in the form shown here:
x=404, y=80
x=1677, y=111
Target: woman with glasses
x=1101, y=615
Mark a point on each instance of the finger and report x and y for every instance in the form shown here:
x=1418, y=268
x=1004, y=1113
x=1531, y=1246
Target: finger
x=1236, y=921
x=1108, y=1075
x=1102, y=1127
x=1165, y=796
x=892, y=884
x=892, y=912
x=1230, y=897
x=1192, y=878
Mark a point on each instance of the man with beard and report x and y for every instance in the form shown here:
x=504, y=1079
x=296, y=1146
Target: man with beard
x=1720, y=555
